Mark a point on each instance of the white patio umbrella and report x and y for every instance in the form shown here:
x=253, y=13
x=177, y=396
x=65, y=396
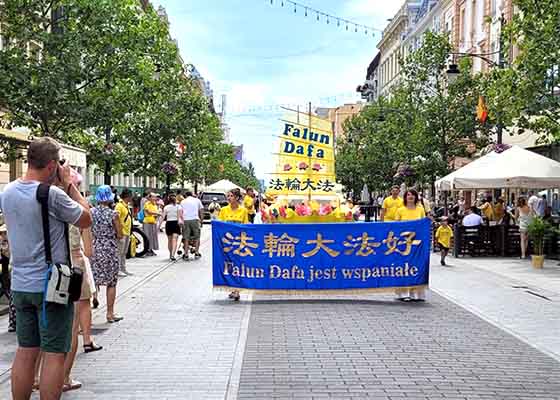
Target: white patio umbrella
x=512, y=168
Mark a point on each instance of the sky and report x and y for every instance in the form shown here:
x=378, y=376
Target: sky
x=261, y=55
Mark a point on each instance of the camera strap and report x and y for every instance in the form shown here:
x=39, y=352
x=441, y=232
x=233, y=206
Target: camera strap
x=42, y=196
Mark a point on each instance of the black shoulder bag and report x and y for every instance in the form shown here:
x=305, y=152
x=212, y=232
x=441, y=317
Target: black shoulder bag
x=64, y=283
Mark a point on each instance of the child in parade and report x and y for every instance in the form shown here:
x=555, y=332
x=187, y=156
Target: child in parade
x=443, y=237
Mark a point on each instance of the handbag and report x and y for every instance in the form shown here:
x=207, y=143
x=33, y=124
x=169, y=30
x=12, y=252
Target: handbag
x=64, y=283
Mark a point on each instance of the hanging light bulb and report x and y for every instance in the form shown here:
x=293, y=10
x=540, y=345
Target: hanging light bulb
x=317, y=16
x=337, y=22
x=356, y=28
x=366, y=31
x=347, y=26
x=271, y=2
x=295, y=8
x=328, y=20
x=282, y=3
x=306, y=11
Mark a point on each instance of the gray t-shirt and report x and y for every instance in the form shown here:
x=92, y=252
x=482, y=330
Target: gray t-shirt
x=25, y=231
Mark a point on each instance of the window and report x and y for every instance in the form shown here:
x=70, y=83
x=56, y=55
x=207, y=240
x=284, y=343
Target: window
x=463, y=26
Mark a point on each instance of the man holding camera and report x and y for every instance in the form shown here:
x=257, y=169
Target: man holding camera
x=40, y=326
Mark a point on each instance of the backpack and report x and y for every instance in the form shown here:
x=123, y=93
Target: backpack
x=140, y=216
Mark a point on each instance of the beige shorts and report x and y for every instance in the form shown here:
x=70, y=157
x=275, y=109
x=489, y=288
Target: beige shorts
x=78, y=262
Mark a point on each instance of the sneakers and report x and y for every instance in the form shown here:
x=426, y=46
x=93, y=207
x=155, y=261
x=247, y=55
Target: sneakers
x=172, y=258
x=443, y=263
x=197, y=255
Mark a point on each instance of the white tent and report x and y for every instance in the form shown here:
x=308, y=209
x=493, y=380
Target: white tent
x=222, y=186
x=512, y=168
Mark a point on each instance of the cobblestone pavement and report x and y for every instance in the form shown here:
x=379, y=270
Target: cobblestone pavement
x=507, y=292
x=380, y=349
x=179, y=340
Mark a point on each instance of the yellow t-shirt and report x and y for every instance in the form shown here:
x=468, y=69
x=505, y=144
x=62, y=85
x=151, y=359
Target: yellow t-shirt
x=391, y=206
x=239, y=215
x=150, y=219
x=444, y=235
x=124, y=217
x=499, y=211
x=488, y=211
x=249, y=204
x=406, y=214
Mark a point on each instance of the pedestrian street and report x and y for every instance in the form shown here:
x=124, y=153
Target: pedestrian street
x=181, y=340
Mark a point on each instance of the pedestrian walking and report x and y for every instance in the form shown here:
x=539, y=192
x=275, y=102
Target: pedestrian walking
x=30, y=269
x=150, y=228
x=249, y=203
x=391, y=204
x=80, y=250
x=444, y=234
x=236, y=213
x=193, y=216
x=173, y=217
x=105, y=264
x=125, y=218
x=411, y=210
x=523, y=215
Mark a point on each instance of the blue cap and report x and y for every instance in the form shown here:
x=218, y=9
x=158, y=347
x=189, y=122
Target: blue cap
x=104, y=193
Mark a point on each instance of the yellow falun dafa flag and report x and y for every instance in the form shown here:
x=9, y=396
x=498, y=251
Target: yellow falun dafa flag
x=305, y=158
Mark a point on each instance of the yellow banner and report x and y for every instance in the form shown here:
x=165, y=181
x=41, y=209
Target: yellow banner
x=305, y=158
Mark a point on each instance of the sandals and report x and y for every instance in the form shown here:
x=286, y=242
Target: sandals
x=116, y=318
x=72, y=385
x=90, y=348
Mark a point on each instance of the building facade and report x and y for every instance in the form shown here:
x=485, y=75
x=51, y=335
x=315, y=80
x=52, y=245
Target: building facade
x=339, y=115
x=473, y=26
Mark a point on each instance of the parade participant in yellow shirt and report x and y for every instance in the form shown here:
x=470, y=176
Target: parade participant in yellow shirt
x=390, y=205
x=443, y=237
x=249, y=203
x=412, y=210
x=234, y=212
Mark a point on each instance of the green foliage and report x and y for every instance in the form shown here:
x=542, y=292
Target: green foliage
x=420, y=128
x=527, y=90
x=106, y=77
x=536, y=230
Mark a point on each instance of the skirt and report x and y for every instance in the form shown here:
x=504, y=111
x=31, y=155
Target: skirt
x=151, y=231
x=172, y=228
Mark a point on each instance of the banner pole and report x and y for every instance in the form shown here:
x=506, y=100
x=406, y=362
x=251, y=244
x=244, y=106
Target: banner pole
x=309, y=158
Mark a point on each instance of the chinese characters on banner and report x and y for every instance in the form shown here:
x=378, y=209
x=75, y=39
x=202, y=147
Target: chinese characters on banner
x=305, y=162
x=321, y=256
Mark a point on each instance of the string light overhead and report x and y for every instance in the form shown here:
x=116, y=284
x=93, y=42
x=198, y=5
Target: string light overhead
x=327, y=17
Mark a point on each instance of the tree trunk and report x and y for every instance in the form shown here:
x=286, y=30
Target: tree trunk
x=107, y=171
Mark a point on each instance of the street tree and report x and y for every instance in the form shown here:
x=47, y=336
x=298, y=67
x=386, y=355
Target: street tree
x=527, y=92
x=72, y=66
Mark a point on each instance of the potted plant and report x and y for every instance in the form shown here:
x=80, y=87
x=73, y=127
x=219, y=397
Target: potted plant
x=536, y=231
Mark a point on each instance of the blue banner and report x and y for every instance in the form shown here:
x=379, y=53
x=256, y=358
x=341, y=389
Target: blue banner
x=345, y=256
